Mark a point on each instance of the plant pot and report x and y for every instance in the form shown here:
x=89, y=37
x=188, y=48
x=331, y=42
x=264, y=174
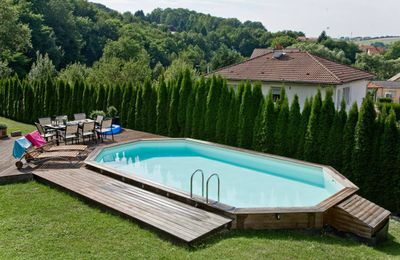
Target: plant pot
x=116, y=121
x=3, y=133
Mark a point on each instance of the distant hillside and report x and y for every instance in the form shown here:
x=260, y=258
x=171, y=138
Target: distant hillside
x=373, y=41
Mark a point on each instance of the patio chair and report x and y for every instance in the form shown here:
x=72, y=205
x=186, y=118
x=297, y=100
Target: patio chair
x=104, y=129
x=70, y=133
x=99, y=119
x=23, y=149
x=88, y=131
x=40, y=144
x=45, y=121
x=45, y=134
x=80, y=116
x=62, y=119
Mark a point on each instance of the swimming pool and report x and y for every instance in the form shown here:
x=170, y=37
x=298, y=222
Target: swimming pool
x=247, y=180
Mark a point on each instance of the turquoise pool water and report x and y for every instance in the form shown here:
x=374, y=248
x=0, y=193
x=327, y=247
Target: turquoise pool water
x=247, y=180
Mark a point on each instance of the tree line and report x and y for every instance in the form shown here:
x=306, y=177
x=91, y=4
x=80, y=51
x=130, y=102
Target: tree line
x=361, y=144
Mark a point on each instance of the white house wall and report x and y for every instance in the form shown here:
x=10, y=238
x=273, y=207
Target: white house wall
x=358, y=90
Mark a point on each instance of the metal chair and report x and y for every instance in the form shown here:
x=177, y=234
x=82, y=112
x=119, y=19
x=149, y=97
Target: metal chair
x=70, y=133
x=105, y=127
x=62, y=119
x=45, y=121
x=80, y=116
x=45, y=134
x=88, y=130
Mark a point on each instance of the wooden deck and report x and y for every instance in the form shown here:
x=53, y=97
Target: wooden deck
x=179, y=220
x=359, y=216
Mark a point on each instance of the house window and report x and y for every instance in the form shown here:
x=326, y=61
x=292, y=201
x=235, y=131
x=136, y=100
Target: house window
x=346, y=95
x=389, y=94
x=276, y=93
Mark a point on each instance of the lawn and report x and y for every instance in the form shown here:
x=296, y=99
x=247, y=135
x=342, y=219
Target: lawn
x=40, y=222
x=16, y=126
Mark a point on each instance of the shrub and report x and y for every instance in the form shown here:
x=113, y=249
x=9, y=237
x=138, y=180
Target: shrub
x=112, y=111
x=96, y=113
x=3, y=126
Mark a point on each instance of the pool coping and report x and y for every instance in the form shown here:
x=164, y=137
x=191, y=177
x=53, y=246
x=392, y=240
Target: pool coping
x=348, y=190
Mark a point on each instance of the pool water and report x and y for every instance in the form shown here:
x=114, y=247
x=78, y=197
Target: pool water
x=247, y=180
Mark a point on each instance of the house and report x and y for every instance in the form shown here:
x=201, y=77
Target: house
x=395, y=78
x=385, y=89
x=300, y=73
x=371, y=50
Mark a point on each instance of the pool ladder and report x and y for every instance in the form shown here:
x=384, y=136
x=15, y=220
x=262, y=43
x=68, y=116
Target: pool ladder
x=207, y=184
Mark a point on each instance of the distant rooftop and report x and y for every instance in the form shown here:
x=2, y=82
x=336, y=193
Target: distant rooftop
x=292, y=65
x=395, y=77
x=384, y=84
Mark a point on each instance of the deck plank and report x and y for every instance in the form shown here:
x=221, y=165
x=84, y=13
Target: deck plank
x=175, y=218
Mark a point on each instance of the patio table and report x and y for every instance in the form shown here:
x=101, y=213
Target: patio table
x=59, y=127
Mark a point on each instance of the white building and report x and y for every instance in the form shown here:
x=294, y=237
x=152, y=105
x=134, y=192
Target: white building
x=299, y=73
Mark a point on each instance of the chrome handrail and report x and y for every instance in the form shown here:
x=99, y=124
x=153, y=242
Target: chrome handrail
x=202, y=182
x=219, y=185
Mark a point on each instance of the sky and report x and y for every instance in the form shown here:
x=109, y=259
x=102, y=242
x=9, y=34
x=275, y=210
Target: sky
x=337, y=17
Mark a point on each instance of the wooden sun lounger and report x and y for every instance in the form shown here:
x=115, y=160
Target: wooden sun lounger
x=39, y=158
x=66, y=148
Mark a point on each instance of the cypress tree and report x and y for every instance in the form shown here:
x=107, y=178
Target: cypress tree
x=258, y=101
x=281, y=132
x=233, y=114
x=245, y=134
x=211, y=108
x=101, y=97
x=387, y=178
x=148, y=104
x=162, y=108
x=139, y=113
x=29, y=117
x=312, y=141
x=220, y=131
x=173, y=129
x=327, y=117
x=132, y=108
x=184, y=95
x=333, y=151
x=189, y=112
x=267, y=132
x=348, y=142
x=199, y=110
x=294, y=128
x=125, y=104
x=117, y=97
x=364, y=146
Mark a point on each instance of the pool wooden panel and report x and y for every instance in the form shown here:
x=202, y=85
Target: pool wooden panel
x=175, y=218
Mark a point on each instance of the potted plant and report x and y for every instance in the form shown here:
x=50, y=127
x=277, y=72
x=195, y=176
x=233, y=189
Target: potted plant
x=3, y=130
x=112, y=112
x=93, y=115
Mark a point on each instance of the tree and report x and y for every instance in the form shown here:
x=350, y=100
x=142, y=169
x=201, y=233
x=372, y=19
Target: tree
x=246, y=118
x=74, y=72
x=184, y=94
x=42, y=69
x=393, y=52
x=294, y=127
x=232, y=118
x=312, y=143
x=162, y=108
x=211, y=107
x=305, y=118
x=387, y=178
x=199, y=110
x=5, y=70
x=223, y=107
x=178, y=67
x=327, y=118
x=281, y=132
x=348, y=141
x=139, y=113
x=322, y=37
x=173, y=129
x=334, y=148
x=363, y=146
x=224, y=57
x=267, y=132
x=283, y=41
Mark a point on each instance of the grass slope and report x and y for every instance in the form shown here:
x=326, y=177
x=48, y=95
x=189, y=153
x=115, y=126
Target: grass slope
x=386, y=41
x=40, y=222
x=16, y=126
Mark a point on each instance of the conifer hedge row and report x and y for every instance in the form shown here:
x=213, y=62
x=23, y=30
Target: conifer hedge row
x=360, y=144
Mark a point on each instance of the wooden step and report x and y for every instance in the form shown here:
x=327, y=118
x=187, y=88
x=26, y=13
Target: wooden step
x=359, y=216
x=180, y=220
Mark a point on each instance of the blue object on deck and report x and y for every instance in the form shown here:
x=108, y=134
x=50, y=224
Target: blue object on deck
x=20, y=146
x=116, y=129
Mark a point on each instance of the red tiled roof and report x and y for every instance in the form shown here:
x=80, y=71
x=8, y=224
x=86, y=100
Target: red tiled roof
x=294, y=66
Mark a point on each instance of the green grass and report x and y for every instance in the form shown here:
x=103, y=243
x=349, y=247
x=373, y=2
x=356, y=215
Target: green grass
x=386, y=41
x=40, y=222
x=16, y=126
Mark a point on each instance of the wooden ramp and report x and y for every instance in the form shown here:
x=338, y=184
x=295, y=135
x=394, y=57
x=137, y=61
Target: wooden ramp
x=359, y=216
x=180, y=220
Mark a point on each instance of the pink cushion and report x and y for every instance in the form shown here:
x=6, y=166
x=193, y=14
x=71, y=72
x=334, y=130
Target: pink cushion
x=36, y=139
